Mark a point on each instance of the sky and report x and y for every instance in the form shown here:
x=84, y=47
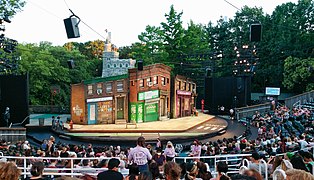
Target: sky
x=42, y=20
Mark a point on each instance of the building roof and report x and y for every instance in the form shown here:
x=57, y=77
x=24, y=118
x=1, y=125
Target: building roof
x=105, y=79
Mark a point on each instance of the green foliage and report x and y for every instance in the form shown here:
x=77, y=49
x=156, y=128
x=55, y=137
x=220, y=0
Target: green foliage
x=10, y=7
x=47, y=67
x=299, y=74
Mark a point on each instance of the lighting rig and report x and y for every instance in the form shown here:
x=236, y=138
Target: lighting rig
x=8, y=59
x=246, y=61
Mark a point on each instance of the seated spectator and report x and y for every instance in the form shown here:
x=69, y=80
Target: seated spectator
x=9, y=171
x=146, y=175
x=298, y=163
x=203, y=173
x=253, y=173
x=154, y=169
x=297, y=174
x=192, y=171
x=37, y=170
x=308, y=159
x=255, y=163
x=222, y=169
x=172, y=171
x=112, y=172
x=133, y=172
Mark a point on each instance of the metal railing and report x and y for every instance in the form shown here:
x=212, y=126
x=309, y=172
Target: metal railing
x=233, y=160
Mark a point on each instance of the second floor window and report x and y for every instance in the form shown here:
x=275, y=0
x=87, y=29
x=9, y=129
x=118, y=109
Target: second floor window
x=119, y=86
x=99, y=88
x=108, y=87
x=155, y=80
x=90, y=89
x=141, y=83
x=163, y=81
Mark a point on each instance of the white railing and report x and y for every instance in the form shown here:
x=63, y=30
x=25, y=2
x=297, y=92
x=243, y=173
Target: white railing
x=233, y=161
x=72, y=171
x=277, y=173
x=263, y=163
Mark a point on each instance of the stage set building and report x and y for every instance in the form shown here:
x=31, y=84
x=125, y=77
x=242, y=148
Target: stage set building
x=127, y=94
x=183, y=96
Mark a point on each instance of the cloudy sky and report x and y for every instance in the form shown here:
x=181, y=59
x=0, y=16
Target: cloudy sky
x=42, y=20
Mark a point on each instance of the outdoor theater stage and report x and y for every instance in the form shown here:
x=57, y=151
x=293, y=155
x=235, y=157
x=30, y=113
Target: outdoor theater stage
x=201, y=126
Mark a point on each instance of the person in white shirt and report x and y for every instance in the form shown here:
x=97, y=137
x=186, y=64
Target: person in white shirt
x=196, y=149
x=169, y=151
x=140, y=155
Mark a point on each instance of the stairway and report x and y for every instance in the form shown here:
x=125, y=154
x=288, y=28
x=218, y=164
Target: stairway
x=120, y=121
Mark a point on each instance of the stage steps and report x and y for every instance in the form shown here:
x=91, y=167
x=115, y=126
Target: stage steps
x=120, y=121
x=150, y=136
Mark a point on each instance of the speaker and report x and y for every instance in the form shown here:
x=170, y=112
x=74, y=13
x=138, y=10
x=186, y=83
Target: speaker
x=71, y=27
x=255, y=32
x=71, y=64
x=140, y=65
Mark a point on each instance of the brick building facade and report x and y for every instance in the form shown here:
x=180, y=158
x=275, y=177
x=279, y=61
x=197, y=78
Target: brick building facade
x=149, y=93
x=183, y=96
x=105, y=100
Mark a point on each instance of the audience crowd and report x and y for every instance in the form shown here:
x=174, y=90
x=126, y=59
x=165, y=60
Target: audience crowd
x=283, y=150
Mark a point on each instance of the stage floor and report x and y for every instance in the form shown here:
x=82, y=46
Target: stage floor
x=201, y=126
x=172, y=125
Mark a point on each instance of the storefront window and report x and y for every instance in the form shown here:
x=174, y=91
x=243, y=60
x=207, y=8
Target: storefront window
x=90, y=89
x=120, y=86
x=108, y=87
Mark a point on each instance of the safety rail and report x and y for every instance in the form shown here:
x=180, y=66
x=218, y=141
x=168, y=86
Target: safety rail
x=72, y=171
x=278, y=172
x=229, y=159
x=261, y=163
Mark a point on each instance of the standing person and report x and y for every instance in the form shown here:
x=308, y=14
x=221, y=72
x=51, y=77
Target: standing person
x=6, y=116
x=159, y=158
x=112, y=172
x=53, y=122
x=158, y=144
x=196, y=149
x=169, y=151
x=140, y=155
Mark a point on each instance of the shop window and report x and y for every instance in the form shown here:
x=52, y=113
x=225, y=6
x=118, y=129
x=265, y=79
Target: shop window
x=155, y=80
x=108, y=87
x=163, y=81
x=99, y=88
x=120, y=86
x=90, y=89
x=141, y=83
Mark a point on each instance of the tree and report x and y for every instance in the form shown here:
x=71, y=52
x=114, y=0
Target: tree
x=8, y=8
x=299, y=74
x=153, y=49
x=172, y=36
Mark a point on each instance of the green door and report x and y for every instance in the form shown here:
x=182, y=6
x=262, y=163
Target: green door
x=120, y=108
